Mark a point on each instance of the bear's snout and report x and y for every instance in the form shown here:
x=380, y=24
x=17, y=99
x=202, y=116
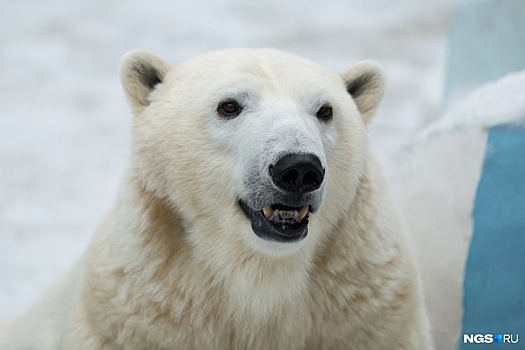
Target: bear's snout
x=297, y=173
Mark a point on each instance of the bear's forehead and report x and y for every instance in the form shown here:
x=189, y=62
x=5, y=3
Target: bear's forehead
x=267, y=67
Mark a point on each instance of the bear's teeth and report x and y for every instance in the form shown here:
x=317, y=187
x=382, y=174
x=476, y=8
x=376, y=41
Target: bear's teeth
x=288, y=214
x=268, y=212
x=302, y=212
x=275, y=215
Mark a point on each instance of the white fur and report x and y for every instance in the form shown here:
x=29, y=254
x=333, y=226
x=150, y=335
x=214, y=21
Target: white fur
x=176, y=265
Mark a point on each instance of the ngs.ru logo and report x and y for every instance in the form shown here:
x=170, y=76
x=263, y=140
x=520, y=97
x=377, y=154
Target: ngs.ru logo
x=490, y=338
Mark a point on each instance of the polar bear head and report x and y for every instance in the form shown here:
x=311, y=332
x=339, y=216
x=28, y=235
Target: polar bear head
x=258, y=148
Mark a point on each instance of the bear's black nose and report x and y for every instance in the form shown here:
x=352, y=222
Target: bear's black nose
x=298, y=173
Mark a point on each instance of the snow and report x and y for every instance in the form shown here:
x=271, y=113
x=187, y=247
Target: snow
x=497, y=102
x=64, y=123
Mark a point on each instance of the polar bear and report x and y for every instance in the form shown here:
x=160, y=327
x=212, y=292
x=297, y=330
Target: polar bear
x=253, y=215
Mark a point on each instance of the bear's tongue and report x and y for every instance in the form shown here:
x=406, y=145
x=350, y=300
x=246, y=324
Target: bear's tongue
x=286, y=217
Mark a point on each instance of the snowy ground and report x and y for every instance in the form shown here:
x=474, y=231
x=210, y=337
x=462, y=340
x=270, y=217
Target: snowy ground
x=64, y=122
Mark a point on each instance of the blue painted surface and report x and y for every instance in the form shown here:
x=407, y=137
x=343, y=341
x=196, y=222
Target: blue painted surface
x=494, y=286
x=487, y=42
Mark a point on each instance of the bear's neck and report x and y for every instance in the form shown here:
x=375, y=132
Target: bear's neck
x=154, y=259
x=145, y=223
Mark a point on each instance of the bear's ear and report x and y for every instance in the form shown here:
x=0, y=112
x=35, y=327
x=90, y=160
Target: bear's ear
x=365, y=82
x=140, y=72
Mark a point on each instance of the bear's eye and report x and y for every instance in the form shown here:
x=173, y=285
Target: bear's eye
x=229, y=109
x=325, y=113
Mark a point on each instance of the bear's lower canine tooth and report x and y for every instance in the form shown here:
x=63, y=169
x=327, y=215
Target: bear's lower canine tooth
x=302, y=212
x=268, y=212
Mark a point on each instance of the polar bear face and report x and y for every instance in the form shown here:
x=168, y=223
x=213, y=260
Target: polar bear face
x=258, y=147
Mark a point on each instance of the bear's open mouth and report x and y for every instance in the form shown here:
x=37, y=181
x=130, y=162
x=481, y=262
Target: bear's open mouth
x=278, y=222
